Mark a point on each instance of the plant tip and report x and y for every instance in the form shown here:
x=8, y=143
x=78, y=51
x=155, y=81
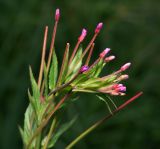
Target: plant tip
x=125, y=66
x=104, y=53
x=83, y=35
x=57, y=14
x=99, y=27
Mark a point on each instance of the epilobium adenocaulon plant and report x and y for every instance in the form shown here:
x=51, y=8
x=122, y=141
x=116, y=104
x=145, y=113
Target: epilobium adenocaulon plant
x=54, y=88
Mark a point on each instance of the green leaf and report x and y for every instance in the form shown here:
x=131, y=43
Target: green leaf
x=45, y=81
x=22, y=134
x=102, y=99
x=53, y=72
x=84, y=90
x=64, y=67
x=96, y=69
x=32, y=102
x=75, y=65
x=36, y=103
x=81, y=78
x=99, y=68
x=111, y=101
x=29, y=125
x=60, y=131
x=35, y=91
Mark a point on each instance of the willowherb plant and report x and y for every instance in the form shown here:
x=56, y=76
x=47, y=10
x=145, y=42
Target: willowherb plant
x=54, y=88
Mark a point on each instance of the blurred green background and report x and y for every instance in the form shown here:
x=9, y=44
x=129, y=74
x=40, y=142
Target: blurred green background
x=131, y=30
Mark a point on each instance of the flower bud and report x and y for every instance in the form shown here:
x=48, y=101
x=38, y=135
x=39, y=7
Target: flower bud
x=119, y=88
x=83, y=35
x=110, y=58
x=99, y=27
x=57, y=14
x=103, y=54
x=122, y=89
x=84, y=68
x=123, y=77
x=125, y=66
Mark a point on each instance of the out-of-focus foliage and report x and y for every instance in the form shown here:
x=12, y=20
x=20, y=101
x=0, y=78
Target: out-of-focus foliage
x=131, y=29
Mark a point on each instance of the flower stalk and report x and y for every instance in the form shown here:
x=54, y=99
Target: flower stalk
x=43, y=57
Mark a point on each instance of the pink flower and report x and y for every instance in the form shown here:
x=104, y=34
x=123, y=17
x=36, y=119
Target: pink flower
x=83, y=35
x=99, y=27
x=57, y=14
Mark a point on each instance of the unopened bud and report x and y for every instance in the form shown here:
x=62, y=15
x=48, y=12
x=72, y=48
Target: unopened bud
x=119, y=88
x=125, y=66
x=103, y=54
x=110, y=58
x=122, y=89
x=99, y=27
x=83, y=35
x=84, y=68
x=57, y=14
x=123, y=77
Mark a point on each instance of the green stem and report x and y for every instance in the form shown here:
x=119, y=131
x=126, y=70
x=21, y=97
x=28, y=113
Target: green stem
x=50, y=133
x=38, y=141
x=98, y=123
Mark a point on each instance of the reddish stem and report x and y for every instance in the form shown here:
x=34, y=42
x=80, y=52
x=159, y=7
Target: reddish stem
x=43, y=56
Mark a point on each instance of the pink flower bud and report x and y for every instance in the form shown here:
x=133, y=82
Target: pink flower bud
x=99, y=27
x=125, y=66
x=110, y=58
x=103, y=54
x=119, y=88
x=84, y=68
x=83, y=35
x=57, y=14
x=122, y=89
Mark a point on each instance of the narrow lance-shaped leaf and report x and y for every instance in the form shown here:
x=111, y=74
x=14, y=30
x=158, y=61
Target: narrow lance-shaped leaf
x=22, y=134
x=53, y=72
x=64, y=67
x=32, y=102
x=75, y=65
x=35, y=91
x=28, y=124
x=99, y=68
x=60, y=131
x=45, y=81
x=102, y=99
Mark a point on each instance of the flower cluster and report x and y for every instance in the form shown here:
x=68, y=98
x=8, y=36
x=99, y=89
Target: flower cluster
x=84, y=78
x=55, y=86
